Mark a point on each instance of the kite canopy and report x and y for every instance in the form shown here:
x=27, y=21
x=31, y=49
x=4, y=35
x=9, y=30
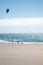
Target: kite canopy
x=7, y=10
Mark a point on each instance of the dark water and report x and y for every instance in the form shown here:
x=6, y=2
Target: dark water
x=22, y=37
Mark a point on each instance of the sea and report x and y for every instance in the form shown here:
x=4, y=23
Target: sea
x=21, y=37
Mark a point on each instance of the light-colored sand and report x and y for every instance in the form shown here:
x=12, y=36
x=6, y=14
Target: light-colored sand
x=18, y=54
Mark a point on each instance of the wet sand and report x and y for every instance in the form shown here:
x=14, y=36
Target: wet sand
x=18, y=54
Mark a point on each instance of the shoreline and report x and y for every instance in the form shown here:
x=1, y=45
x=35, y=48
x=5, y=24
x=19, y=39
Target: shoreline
x=6, y=42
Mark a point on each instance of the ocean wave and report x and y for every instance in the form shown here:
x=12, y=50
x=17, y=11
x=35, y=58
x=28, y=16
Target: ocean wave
x=21, y=37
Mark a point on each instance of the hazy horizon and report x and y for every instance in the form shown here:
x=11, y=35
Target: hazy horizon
x=23, y=25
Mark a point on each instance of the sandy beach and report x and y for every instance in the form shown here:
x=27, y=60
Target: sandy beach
x=18, y=54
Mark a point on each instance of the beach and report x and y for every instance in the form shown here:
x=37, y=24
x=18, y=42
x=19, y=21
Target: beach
x=21, y=54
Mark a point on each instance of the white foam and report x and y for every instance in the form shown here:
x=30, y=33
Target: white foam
x=2, y=41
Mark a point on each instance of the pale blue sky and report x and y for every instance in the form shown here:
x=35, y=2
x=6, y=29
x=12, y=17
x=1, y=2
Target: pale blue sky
x=24, y=25
x=22, y=29
x=21, y=8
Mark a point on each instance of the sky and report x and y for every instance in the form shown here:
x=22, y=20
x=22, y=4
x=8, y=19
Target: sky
x=21, y=8
x=21, y=25
x=24, y=16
